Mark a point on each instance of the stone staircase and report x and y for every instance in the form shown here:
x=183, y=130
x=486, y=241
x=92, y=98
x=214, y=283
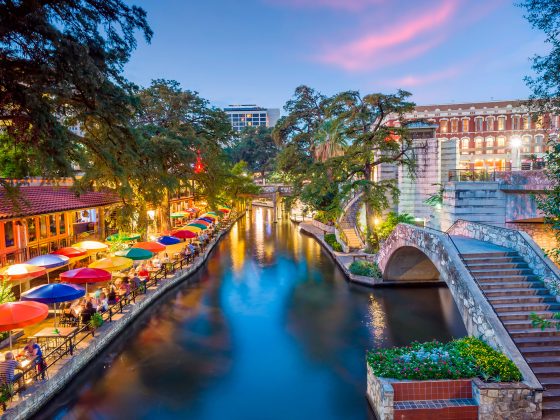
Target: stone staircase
x=348, y=225
x=515, y=292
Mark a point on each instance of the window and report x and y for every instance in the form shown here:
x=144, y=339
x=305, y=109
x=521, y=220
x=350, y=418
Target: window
x=31, y=230
x=526, y=144
x=478, y=144
x=526, y=122
x=516, y=121
x=43, y=226
x=501, y=123
x=454, y=125
x=490, y=123
x=61, y=223
x=9, y=234
x=539, y=122
x=52, y=225
x=465, y=144
x=443, y=126
x=478, y=124
x=501, y=141
x=465, y=125
x=490, y=143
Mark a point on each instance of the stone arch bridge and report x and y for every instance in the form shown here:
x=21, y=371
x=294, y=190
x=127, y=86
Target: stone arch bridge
x=275, y=194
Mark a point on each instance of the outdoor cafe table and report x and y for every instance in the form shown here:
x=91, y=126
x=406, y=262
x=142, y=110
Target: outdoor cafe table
x=53, y=337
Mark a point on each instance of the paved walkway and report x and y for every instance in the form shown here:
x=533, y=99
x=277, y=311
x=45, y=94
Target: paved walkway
x=474, y=246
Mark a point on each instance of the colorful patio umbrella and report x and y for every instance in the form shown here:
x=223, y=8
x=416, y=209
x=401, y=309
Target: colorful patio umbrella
x=209, y=216
x=194, y=229
x=22, y=271
x=135, y=254
x=207, y=219
x=123, y=237
x=179, y=214
x=202, y=222
x=85, y=275
x=112, y=263
x=70, y=252
x=91, y=246
x=21, y=314
x=184, y=234
x=49, y=261
x=150, y=246
x=168, y=240
x=198, y=225
x=54, y=293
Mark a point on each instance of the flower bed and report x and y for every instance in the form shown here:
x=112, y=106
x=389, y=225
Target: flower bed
x=365, y=268
x=330, y=238
x=464, y=358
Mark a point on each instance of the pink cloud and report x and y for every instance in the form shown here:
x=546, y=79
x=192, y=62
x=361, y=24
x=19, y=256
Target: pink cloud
x=372, y=49
x=346, y=5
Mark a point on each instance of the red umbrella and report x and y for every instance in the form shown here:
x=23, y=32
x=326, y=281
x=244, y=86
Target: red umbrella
x=184, y=234
x=85, y=275
x=21, y=314
x=70, y=252
x=150, y=246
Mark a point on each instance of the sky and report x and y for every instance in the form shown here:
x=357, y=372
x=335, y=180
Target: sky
x=259, y=51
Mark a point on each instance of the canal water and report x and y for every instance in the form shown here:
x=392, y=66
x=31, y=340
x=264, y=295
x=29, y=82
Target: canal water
x=270, y=329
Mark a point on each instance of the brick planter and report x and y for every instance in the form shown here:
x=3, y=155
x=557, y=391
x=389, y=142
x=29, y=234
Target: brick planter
x=451, y=399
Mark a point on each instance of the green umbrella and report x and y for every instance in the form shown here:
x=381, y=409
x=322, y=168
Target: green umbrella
x=178, y=214
x=123, y=237
x=198, y=225
x=135, y=254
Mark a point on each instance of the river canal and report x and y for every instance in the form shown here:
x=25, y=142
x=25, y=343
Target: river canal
x=270, y=330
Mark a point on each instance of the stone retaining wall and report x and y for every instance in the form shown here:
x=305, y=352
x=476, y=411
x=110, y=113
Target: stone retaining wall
x=380, y=395
x=50, y=388
x=323, y=227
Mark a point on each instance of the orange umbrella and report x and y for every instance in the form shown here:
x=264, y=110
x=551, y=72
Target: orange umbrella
x=70, y=252
x=21, y=314
x=150, y=246
x=22, y=271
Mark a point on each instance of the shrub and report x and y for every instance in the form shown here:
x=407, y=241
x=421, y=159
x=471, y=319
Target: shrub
x=464, y=358
x=365, y=268
x=330, y=238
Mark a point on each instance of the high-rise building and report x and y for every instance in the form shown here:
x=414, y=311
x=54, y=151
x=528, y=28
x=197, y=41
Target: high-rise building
x=242, y=116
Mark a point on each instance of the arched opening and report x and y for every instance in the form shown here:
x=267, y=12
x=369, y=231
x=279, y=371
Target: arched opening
x=410, y=264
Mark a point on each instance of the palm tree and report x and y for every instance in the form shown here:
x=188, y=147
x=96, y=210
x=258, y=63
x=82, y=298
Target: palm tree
x=330, y=142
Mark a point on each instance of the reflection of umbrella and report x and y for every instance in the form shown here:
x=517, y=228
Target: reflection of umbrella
x=22, y=271
x=198, y=225
x=86, y=275
x=192, y=228
x=168, y=240
x=21, y=314
x=184, y=234
x=207, y=219
x=49, y=261
x=70, y=252
x=202, y=222
x=213, y=213
x=209, y=216
x=224, y=210
x=135, y=254
x=54, y=293
x=112, y=263
x=150, y=246
x=178, y=214
x=92, y=246
x=123, y=237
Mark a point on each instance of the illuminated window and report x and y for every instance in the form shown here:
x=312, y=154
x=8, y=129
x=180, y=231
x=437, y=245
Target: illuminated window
x=489, y=143
x=465, y=125
x=443, y=126
x=478, y=144
x=9, y=234
x=526, y=122
x=43, y=226
x=539, y=122
x=478, y=124
x=454, y=125
x=516, y=122
x=465, y=144
x=61, y=223
x=52, y=225
x=31, y=230
x=501, y=141
x=501, y=123
x=526, y=142
x=490, y=123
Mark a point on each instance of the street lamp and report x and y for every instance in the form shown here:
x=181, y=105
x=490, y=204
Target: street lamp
x=515, y=142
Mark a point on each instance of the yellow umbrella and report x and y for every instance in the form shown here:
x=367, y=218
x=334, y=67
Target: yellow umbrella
x=112, y=263
x=91, y=246
x=192, y=229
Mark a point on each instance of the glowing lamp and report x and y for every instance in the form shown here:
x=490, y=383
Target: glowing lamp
x=515, y=142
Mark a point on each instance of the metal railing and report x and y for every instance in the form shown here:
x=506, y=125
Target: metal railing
x=467, y=175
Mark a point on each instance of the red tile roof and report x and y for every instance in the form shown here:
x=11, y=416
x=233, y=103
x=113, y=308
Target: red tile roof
x=50, y=199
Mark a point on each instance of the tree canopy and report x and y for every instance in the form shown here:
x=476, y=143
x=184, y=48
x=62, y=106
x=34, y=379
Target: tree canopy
x=256, y=148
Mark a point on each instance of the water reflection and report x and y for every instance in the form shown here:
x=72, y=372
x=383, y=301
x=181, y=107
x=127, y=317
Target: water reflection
x=270, y=330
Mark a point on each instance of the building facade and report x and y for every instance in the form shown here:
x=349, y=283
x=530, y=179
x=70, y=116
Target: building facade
x=242, y=116
x=489, y=136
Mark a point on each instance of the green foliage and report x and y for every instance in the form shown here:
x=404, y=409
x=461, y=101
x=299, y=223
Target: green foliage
x=96, y=321
x=386, y=227
x=325, y=217
x=255, y=147
x=6, y=294
x=541, y=322
x=464, y=358
x=436, y=200
x=330, y=238
x=365, y=268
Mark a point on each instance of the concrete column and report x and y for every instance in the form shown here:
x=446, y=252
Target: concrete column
x=102, y=230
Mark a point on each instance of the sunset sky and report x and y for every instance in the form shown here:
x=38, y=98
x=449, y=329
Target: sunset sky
x=258, y=51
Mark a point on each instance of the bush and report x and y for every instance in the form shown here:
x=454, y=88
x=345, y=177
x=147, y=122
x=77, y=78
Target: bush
x=464, y=358
x=330, y=238
x=365, y=268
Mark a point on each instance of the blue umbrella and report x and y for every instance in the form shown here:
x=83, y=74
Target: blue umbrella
x=54, y=293
x=168, y=240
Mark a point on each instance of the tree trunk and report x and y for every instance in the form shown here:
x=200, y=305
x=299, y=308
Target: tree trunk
x=143, y=221
x=165, y=212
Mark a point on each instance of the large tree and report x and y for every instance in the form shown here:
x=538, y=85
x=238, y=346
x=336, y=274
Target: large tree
x=256, y=148
x=62, y=63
